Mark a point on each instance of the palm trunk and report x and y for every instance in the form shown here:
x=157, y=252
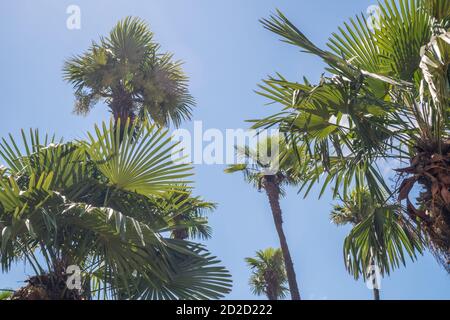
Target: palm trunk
x=376, y=291
x=376, y=294
x=122, y=108
x=271, y=284
x=51, y=286
x=271, y=295
x=273, y=193
x=430, y=168
x=181, y=233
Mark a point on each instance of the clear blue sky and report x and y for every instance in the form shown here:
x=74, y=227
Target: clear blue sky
x=227, y=53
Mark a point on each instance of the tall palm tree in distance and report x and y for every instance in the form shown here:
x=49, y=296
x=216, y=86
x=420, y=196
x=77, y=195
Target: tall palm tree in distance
x=271, y=175
x=268, y=274
x=378, y=230
x=128, y=71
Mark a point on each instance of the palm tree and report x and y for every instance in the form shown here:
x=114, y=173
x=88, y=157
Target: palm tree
x=91, y=204
x=386, y=96
x=128, y=71
x=268, y=274
x=186, y=214
x=378, y=229
x=272, y=174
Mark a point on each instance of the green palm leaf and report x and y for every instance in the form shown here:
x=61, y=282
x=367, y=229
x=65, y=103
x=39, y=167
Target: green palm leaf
x=144, y=166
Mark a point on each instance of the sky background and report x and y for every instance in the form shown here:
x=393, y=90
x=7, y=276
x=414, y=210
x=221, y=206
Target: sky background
x=226, y=53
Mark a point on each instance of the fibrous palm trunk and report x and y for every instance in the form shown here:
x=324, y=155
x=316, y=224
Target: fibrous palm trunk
x=272, y=189
x=271, y=285
x=430, y=167
x=271, y=294
x=180, y=233
x=122, y=107
x=376, y=294
x=49, y=286
x=46, y=287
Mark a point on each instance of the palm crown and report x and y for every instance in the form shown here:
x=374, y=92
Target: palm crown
x=128, y=72
x=268, y=274
x=271, y=157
